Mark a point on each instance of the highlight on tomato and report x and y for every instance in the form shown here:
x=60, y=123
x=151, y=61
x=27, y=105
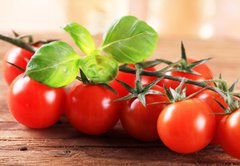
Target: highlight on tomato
x=33, y=104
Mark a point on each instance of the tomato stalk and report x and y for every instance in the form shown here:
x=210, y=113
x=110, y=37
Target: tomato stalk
x=160, y=73
x=17, y=41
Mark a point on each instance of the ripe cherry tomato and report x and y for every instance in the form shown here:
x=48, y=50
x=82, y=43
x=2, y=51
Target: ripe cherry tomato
x=228, y=133
x=130, y=80
x=209, y=97
x=139, y=121
x=17, y=56
x=202, y=69
x=91, y=109
x=186, y=126
x=33, y=104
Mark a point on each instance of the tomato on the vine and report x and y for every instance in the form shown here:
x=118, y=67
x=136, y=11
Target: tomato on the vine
x=186, y=126
x=130, y=80
x=17, y=56
x=210, y=97
x=228, y=133
x=202, y=69
x=139, y=121
x=91, y=108
x=33, y=104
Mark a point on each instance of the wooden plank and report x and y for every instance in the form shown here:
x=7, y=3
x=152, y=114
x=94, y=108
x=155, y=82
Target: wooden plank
x=111, y=156
x=61, y=144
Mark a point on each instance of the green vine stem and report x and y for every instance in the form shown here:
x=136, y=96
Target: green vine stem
x=160, y=74
x=18, y=42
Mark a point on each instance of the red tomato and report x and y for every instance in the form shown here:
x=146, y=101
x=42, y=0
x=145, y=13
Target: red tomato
x=186, y=126
x=229, y=133
x=91, y=109
x=33, y=104
x=130, y=80
x=17, y=56
x=139, y=121
x=208, y=96
x=203, y=69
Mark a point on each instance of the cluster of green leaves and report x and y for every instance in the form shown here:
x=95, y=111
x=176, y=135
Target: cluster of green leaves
x=128, y=40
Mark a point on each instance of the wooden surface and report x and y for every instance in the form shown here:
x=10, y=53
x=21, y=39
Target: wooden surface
x=61, y=144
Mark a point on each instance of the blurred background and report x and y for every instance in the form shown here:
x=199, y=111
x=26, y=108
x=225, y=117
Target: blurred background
x=203, y=19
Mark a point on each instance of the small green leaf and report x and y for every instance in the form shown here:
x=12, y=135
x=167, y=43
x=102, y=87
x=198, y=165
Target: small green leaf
x=183, y=52
x=127, y=87
x=99, y=69
x=16, y=66
x=130, y=40
x=81, y=37
x=197, y=63
x=109, y=88
x=231, y=89
x=55, y=64
x=150, y=85
x=128, y=97
x=147, y=64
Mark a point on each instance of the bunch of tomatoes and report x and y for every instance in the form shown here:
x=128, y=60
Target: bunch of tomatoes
x=185, y=117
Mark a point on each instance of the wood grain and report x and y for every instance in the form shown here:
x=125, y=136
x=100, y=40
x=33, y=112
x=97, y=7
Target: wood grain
x=61, y=144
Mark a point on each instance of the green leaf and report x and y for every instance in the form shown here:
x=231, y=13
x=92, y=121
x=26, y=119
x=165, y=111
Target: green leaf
x=81, y=37
x=99, y=69
x=109, y=88
x=127, y=87
x=55, y=64
x=130, y=40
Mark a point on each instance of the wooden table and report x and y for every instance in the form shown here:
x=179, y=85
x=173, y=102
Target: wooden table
x=61, y=144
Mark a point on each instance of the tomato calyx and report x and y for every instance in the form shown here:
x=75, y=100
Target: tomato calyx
x=231, y=98
x=83, y=78
x=140, y=91
x=179, y=94
x=187, y=67
x=16, y=66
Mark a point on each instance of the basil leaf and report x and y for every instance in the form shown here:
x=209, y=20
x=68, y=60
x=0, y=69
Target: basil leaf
x=130, y=40
x=55, y=64
x=81, y=37
x=99, y=69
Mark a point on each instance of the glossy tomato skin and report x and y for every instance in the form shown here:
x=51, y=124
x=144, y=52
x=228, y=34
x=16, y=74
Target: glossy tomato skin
x=33, y=104
x=186, y=126
x=229, y=134
x=17, y=56
x=139, y=121
x=209, y=97
x=130, y=80
x=91, y=109
x=202, y=69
